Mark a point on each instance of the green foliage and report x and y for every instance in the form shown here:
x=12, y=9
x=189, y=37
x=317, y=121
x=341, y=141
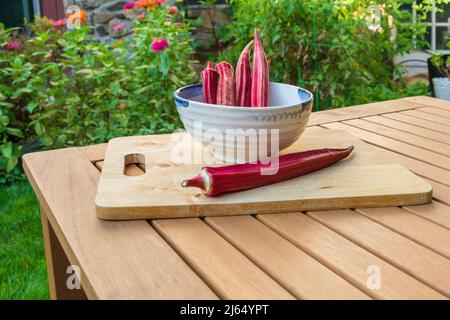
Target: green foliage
x=23, y=273
x=443, y=64
x=61, y=88
x=341, y=50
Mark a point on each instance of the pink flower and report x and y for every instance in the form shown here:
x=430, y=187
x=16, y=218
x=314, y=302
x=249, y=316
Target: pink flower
x=141, y=16
x=12, y=45
x=118, y=27
x=129, y=5
x=59, y=23
x=173, y=10
x=160, y=45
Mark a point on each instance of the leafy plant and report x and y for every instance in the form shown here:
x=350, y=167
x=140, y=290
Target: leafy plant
x=443, y=64
x=60, y=88
x=340, y=50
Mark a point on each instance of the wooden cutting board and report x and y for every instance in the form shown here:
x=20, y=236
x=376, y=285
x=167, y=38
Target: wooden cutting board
x=368, y=178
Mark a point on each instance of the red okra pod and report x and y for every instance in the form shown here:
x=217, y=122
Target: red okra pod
x=226, y=84
x=260, y=77
x=209, y=78
x=244, y=78
x=217, y=180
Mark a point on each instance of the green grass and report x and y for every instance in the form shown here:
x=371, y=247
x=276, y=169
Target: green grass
x=23, y=273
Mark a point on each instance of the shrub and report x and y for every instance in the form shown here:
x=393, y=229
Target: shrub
x=337, y=49
x=61, y=88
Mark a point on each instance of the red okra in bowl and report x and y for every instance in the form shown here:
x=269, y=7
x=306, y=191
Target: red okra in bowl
x=241, y=116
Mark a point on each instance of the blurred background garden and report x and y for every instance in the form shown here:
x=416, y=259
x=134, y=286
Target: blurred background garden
x=81, y=72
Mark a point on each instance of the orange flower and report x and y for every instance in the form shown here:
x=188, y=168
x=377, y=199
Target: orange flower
x=122, y=106
x=144, y=3
x=78, y=16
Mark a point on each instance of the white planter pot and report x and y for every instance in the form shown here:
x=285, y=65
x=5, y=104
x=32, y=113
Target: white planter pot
x=442, y=88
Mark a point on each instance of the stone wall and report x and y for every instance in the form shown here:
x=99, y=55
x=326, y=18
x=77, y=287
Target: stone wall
x=104, y=15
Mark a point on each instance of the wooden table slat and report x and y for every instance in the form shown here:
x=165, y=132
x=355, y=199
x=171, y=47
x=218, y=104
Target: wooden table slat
x=436, y=111
x=411, y=139
x=418, y=122
x=429, y=101
x=346, y=258
x=409, y=128
x=302, y=275
x=413, y=227
x=229, y=273
x=365, y=110
x=115, y=258
x=437, y=212
x=420, y=168
x=427, y=116
x=414, y=259
x=441, y=192
x=395, y=145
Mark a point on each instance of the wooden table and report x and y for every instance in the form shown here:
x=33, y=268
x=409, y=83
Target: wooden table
x=387, y=253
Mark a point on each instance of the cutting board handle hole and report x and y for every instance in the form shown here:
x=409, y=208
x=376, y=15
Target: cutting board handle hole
x=134, y=160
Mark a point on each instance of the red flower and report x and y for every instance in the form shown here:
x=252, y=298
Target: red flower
x=59, y=23
x=160, y=45
x=122, y=106
x=12, y=45
x=129, y=5
x=173, y=10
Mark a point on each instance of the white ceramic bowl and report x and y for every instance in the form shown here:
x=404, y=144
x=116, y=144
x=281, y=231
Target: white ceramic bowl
x=229, y=131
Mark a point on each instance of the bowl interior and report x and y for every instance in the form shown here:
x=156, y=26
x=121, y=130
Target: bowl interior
x=280, y=95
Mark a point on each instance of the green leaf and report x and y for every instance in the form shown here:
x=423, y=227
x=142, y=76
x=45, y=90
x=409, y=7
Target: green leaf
x=164, y=66
x=115, y=88
x=15, y=132
x=7, y=149
x=31, y=106
x=17, y=63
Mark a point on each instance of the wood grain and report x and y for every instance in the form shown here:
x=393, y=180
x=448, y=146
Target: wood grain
x=413, y=129
x=414, y=259
x=441, y=192
x=427, y=116
x=413, y=227
x=95, y=152
x=437, y=212
x=300, y=274
x=115, y=258
x=429, y=101
x=436, y=111
x=57, y=265
x=360, y=111
x=420, y=168
x=412, y=139
x=365, y=179
x=418, y=122
x=346, y=258
x=395, y=145
x=230, y=274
